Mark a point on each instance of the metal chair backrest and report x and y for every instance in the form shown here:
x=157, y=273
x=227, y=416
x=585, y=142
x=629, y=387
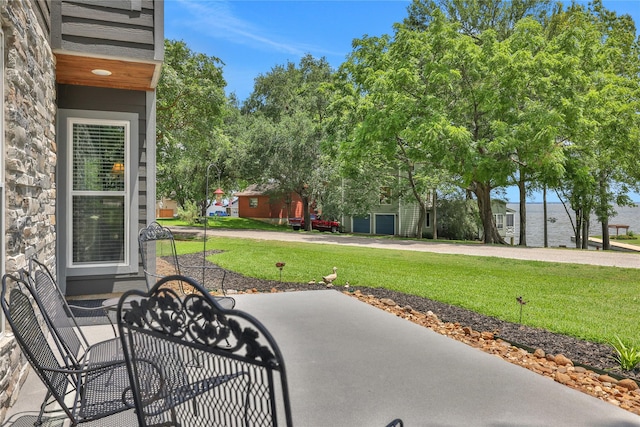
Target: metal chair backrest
x=21, y=308
x=62, y=321
x=155, y=241
x=160, y=259
x=193, y=363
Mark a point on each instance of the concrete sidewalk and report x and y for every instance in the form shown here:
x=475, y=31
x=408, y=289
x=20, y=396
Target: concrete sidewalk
x=351, y=364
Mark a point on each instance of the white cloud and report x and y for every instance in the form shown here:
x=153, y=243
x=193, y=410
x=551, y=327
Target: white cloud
x=216, y=19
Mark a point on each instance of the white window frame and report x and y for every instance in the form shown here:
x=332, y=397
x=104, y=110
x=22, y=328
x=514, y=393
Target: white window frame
x=72, y=192
x=385, y=195
x=253, y=202
x=66, y=120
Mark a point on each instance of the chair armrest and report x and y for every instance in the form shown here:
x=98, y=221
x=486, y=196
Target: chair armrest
x=86, y=370
x=101, y=311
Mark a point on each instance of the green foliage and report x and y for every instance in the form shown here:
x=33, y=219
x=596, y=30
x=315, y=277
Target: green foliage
x=189, y=212
x=589, y=302
x=497, y=93
x=628, y=356
x=191, y=103
x=282, y=144
x=458, y=219
x=476, y=94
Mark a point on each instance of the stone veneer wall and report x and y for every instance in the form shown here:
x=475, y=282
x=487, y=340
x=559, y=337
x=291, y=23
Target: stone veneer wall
x=30, y=162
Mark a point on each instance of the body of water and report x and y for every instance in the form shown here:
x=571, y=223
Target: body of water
x=560, y=230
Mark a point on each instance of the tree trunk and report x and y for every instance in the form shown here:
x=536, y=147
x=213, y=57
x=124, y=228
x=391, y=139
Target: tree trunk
x=578, y=229
x=585, y=232
x=421, y=218
x=523, y=213
x=606, y=244
x=603, y=211
x=203, y=209
x=546, y=220
x=434, y=209
x=305, y=212
x=483, y=194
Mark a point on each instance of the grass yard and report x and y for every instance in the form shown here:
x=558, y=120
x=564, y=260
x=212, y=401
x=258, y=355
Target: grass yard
x=629, y=240
x=590, y=302
x=226, y=222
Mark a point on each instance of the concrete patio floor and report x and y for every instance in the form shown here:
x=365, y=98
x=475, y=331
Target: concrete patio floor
x=350, y=364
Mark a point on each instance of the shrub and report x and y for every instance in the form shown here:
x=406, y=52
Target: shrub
x=627, y=356
x=458, y=219
x=189, y=212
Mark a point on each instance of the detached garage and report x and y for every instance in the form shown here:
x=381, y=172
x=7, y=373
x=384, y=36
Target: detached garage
x=362, y=224
x=385, y=224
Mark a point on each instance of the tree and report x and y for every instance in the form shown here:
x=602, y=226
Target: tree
x=398, y=121
x=606, y=100
x=289, y=105
x=457, y=100
x=476, y=16
x=190, y=107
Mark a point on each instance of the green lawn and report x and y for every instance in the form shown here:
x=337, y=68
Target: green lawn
x=227, y=222
x=629, y=240
x=590, y=302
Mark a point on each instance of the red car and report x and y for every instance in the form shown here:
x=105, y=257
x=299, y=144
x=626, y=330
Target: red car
x=316, y=224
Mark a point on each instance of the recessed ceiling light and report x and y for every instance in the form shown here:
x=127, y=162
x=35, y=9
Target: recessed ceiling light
x=99, y=72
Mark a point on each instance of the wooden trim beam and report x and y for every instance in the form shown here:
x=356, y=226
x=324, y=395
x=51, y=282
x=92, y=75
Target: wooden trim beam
x=77, y=70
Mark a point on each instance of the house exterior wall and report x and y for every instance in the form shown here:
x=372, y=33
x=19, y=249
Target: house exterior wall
x=270, y=208
x=117, y=28
x=115, y=100
x=406, y=216
x=166, y=208
x=31, y=155
x=128, y=34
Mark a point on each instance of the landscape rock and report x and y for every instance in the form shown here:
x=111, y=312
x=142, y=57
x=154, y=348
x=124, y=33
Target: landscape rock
x=562, y=360
x=562, y=378
x=629, y=384
x=607, y=379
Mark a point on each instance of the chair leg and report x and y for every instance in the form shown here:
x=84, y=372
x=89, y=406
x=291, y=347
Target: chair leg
x=43, y=409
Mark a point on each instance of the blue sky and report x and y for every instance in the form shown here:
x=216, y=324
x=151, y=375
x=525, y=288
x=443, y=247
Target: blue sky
x=251, y=37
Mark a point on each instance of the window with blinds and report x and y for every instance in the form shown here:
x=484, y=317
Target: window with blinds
x=99, y=192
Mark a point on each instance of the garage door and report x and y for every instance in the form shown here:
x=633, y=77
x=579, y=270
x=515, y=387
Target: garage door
x=385, y=224
x=362, y=224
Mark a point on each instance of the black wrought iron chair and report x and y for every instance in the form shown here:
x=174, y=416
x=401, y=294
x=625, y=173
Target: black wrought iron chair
x=193, y=363
x=62, y=318
x=160, y=259
x=87, y=384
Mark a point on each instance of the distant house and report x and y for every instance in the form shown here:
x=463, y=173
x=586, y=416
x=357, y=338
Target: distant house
x=166, y=208
x=399, y=217
x=391, y=216
x=504, y=218
x=78, y=144
x=265, y=203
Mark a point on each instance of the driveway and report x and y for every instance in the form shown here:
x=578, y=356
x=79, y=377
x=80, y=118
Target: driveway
x=564, y=255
